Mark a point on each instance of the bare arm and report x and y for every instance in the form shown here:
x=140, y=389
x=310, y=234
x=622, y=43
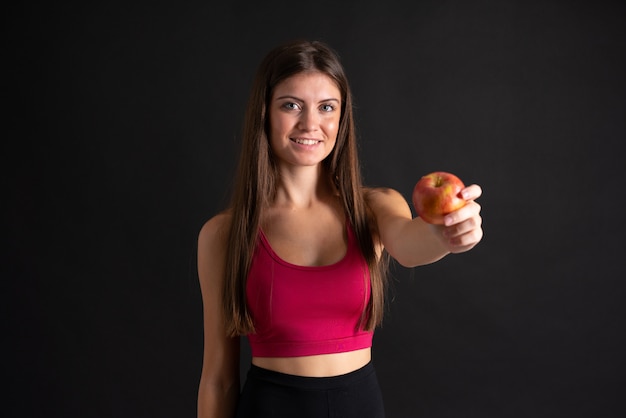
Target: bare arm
x=413, y=242
x=219, y=383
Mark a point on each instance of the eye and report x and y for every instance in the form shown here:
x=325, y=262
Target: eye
x=291, y=106
x=327, y=107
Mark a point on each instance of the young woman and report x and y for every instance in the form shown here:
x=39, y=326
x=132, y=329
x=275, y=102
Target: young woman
x=297, y=261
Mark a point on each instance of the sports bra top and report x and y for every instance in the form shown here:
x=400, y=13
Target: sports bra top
x=307, y=310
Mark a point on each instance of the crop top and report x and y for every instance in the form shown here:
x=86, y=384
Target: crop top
x=307, y=310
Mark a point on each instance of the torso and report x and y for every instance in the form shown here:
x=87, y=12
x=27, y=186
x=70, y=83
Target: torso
x=314, y=236
x=317, y=366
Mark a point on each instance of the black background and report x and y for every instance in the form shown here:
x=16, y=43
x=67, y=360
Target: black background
x=122, y=129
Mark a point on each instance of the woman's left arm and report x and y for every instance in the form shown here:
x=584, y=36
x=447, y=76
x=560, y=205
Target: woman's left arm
x=413, y=242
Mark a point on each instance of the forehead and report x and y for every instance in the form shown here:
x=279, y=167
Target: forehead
x=308, y=85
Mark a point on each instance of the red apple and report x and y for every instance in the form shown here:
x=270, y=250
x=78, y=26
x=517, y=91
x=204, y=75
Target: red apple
x=437, y=194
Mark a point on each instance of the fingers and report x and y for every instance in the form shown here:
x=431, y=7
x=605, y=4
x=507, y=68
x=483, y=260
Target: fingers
x=468, y=211
x=464, y=225
x=472, y=192
x=463, y=228
x=463, y=236
x=464, y=242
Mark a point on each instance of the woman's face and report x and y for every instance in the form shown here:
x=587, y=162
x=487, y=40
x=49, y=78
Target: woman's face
x=304, y=117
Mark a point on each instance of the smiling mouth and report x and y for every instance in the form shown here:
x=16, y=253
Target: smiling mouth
x=304, y=141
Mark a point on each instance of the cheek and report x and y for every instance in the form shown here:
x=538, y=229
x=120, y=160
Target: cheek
x=276, y=128
x=332, y=128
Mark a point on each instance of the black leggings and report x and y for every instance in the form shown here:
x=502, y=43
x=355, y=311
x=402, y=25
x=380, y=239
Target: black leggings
x=271, y=394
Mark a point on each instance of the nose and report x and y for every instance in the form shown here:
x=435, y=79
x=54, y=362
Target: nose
x=309, y=120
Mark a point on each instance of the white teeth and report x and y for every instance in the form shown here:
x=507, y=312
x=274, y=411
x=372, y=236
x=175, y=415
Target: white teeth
x=306, y=141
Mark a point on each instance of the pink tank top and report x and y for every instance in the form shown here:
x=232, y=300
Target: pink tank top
x=303, y=311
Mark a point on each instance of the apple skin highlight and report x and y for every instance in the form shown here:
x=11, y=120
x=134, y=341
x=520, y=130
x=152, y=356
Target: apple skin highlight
x=437, y=194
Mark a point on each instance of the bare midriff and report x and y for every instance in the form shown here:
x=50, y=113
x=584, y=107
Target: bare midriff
x=323, y=365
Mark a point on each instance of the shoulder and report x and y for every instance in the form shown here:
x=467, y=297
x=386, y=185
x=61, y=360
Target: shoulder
x=388, y=208
x=380, y=193
x=384, y=198
x=212, y=244
x=215, y=229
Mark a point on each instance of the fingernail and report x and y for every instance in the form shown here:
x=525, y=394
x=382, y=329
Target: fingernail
x=447, y=220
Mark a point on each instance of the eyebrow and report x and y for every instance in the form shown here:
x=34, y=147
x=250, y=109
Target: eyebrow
x=287, y=96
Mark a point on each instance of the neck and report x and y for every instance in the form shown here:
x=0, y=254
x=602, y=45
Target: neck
x=303, y=186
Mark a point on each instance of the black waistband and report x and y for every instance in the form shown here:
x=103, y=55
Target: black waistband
x=305, y=382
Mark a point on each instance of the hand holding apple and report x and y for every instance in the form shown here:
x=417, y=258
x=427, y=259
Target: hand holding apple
x=437, y=194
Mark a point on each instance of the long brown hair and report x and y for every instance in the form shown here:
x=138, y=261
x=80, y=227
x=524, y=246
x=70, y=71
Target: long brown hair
x=255, y=182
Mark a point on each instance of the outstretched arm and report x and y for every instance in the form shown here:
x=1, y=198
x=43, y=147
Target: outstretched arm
x=413, y=242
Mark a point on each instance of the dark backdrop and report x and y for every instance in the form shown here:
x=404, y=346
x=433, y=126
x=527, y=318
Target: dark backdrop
x=122, y=128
